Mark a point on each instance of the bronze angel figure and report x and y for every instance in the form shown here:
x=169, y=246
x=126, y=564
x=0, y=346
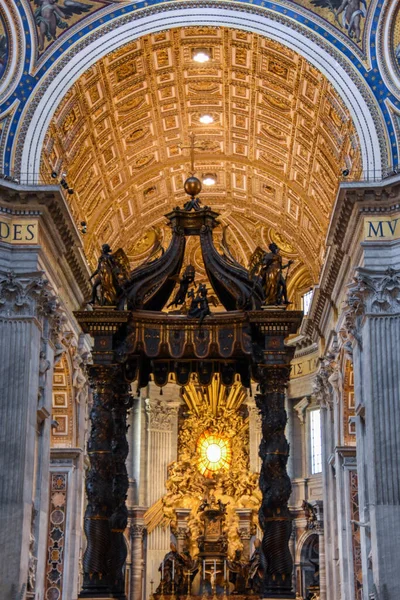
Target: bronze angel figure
x=110, y=276
x=267, y=267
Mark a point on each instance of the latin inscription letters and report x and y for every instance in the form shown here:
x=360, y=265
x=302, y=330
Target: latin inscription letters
x=19, y=231
x=304, y=366
x=382, y=229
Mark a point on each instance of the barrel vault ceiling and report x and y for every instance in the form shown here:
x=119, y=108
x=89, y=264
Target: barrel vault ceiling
x=279, y=141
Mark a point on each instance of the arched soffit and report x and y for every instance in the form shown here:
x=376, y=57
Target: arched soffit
x=12, y=47
x=388, y=52
x=65, y=66
x=280, y=138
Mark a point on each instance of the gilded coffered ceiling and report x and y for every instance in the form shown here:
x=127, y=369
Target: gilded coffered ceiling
x=279, y=140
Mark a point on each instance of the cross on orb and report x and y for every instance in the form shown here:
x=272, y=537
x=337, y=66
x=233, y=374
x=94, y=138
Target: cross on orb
x=192, y=147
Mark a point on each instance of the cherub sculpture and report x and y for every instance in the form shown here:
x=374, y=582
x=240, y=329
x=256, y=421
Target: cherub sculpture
x=267, y=267
x=49, y=16
x=110, y=276
x=186, y=280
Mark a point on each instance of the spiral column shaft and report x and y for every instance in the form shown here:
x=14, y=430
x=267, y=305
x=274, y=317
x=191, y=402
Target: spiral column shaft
x=275, y=485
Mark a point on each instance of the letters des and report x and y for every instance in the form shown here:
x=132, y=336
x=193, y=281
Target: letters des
x=18, y=231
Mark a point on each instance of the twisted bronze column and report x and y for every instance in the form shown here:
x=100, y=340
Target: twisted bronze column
x=99, y=484
x=106, y=485
x=119, y=519
x=275, y=485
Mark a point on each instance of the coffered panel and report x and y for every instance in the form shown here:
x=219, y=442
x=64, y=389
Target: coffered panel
x=277, y=144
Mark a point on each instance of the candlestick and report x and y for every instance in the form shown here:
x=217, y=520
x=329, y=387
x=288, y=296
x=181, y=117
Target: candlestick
x=173, y=570
x=188, y=574
x=225, y=570
x=204, y=569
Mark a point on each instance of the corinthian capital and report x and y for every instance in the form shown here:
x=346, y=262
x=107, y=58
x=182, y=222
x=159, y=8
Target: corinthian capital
x=371, y=293
x=30, y=296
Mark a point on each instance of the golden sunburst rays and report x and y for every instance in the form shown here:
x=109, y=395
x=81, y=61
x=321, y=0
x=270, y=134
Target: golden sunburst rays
x=214, y=452
x=217, y=397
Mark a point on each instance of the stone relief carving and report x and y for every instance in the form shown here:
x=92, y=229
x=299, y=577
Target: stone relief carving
x=80, y=360
x=161, y=415
x=254, y=414
x=336, y=380
x=321, y=387
x=44, y=366
x=32, y=561
x=371, y=293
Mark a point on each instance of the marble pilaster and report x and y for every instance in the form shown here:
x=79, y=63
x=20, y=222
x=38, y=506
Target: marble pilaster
x=28, y=319
x=162, y=415
x=137, y=531
x=373, y=323
x=323, y=395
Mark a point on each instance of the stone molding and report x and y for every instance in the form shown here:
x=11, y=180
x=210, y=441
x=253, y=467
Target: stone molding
x=301, y=408
x=371, y=293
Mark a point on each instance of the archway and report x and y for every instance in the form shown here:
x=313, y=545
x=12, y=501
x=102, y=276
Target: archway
x=279, y=138
x=309, y=566
x=58, y=80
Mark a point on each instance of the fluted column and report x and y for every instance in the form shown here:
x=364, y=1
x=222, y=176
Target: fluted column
x=373, y=323
x=137, y=530
x=322, y=566
x=29, y=315
x=275, y=485
x=323, y=395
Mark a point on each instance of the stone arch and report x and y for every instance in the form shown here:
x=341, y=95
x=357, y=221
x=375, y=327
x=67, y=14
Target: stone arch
x=321, y=54
x=308, y=560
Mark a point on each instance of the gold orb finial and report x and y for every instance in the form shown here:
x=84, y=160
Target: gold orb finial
x=192, y=186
